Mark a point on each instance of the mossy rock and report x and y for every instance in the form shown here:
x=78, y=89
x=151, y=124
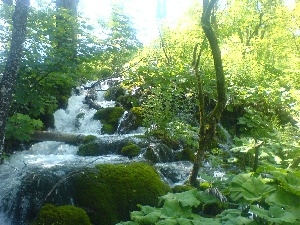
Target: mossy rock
x=108, y=128
x=165, y=138
x=186, y=155
x=62, y=215
x=109, y=117
x=113, y=93
x=127, y=101
x=89, y=138
x=159, y=153
x=78, y=118
x=131, y=150
x=137, y=112
x=89, y=149
x=112, y=191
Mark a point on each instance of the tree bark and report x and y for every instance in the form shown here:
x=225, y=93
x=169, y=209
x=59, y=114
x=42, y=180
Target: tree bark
x=209, y=122
x=13, y=62
x=66, y=34
x=57, y=136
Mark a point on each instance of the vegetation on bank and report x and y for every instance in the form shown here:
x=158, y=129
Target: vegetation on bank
x=260, y=151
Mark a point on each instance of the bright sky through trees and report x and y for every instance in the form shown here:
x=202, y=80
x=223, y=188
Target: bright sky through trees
x=142, y=12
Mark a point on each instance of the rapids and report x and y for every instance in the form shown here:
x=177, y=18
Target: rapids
x=31, y=176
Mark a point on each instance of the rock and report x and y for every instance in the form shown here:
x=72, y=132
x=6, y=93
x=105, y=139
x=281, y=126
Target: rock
x=64, y=215
x=109, y=117
x=113, y=191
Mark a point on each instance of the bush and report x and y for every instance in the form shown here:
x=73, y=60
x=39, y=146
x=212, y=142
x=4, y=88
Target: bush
x=21, y=127
x=62, y=215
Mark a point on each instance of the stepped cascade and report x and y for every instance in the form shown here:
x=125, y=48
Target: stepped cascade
x=38, y=174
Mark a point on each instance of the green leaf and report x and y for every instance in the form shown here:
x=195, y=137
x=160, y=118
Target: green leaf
x=274, y=215
x=239, y=220
x=184, y=221
x=283, y=198
x=207, y=198
x=187, y=198
x=172, y=208
x=167, y=222
x=250, y=188
x=255, y=189
x=290, y=181
x=151, y=216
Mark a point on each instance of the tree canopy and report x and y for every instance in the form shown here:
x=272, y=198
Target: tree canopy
x=176, y=81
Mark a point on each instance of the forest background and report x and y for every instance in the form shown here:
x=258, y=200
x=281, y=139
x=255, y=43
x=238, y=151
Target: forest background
x=259, y=42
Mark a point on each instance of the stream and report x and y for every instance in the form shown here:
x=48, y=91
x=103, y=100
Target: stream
x=40, y=172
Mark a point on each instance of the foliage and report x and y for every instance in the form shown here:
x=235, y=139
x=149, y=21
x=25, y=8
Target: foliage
x=250, y=199
x=109, y=117
x=113, y=93
x=62, y=215
x=52, y=66
x=20, y=127
x=121, y=42
x=112, y=191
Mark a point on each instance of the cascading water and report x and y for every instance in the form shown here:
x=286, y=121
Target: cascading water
x=31, y=177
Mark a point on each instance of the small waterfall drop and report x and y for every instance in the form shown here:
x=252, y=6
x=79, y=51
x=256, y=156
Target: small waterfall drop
x=28, y=177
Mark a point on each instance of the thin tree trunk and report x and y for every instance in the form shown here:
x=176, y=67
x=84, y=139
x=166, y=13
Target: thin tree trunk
x=66, y=30
x=9, y=78
x=209, y=122
x=57, y=136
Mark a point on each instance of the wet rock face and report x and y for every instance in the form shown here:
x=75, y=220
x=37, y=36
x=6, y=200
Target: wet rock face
x=36, y=188
x=98, y=147
x=131, y=121
x=107, y=192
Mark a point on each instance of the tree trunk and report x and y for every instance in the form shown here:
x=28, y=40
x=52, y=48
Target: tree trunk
x=209, y=122
x=57, y=136
x=13, y=62
x=66, y=33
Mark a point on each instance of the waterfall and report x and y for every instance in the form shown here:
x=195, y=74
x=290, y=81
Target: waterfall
x=40, y=173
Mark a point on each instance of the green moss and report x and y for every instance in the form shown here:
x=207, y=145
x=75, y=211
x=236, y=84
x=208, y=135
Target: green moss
x=109, y=117
x=108, y=129
x=186, y=155
x=138, y=115
x=165, y=138
x=78, y=118
x=151, y=156
x=89, y=149
x=127, y=101
x=181, y=188
x=131, y=150
x=205, y=185
x=113, y=93
x=89, y=138
x=62, y=215
x=113, y=191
